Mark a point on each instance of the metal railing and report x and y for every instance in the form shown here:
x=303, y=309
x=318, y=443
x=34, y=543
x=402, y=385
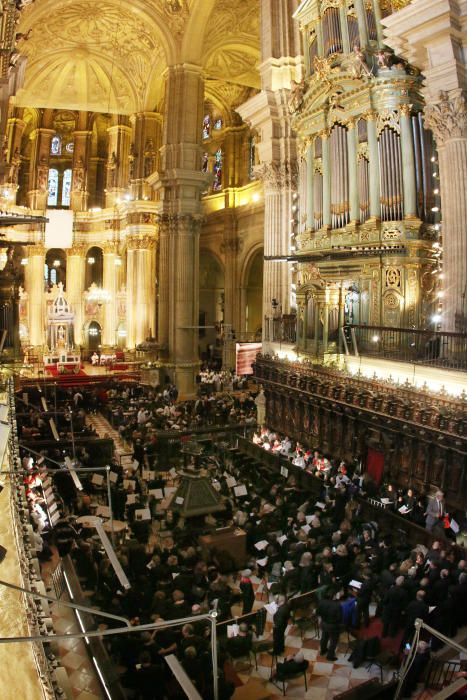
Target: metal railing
x=280, y=329
x=433, y=348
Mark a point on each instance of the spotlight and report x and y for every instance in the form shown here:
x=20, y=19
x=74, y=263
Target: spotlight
x=375, y=338
x=436, y=318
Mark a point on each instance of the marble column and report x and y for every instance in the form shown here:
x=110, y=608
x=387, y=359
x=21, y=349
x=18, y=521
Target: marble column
x=408, y=163
x=34, y=283
x=110, y=285
x=76, y=273
x=448, y=121
x=81, y=155
x=375, y=204
x=39, y=168
x=141, y=288
x=354, y=206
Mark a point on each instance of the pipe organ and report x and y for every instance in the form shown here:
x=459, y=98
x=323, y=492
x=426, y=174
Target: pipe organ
x=367, y=192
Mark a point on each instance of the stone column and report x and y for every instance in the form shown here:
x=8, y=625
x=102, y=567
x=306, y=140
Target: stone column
x=375, y=204
x=141, y=288
x=353, y=173
x=81, y=155
x=117, y=166
x=448, y=121
x=34, y=283
x=231, y=247
x=317, y=309
x=76, y=273
x=408, y=164
x=182, y=182
x=39, y=168
x=326, y=181
x=144, y=152
x=379, y=26
x=110, y=285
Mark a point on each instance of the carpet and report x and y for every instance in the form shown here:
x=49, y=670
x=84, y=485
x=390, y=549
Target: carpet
x=55, y=373
x=375, y=629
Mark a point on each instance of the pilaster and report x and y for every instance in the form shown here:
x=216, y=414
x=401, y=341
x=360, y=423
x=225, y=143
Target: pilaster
x=39, y=168
x=34, y=283
x=117, y=167
x=76, y=271
x=81, y=154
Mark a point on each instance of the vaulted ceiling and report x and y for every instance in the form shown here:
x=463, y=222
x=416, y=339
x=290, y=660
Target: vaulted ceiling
x=111, y=55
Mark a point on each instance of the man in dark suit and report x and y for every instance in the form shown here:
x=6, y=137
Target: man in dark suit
x=329, y=610
x=394, y=603
x=416, y=608
x=281, y=620
x=435, y=511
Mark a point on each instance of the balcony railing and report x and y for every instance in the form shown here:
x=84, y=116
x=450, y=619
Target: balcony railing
x=433, y=348
x=280, y=329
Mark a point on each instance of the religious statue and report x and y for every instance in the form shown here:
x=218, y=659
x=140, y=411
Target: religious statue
x=359, y=64
x=14, y=167
x=383, y=59
x=296, y=95
x=131, y=161
x=149, y=158
x=112, y=170
x=43, y=174
x=260, y=402
x=78, y=175
x=60, y=337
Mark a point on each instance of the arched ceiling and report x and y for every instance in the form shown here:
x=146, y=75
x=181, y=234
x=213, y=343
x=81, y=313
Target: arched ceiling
x=111, y=55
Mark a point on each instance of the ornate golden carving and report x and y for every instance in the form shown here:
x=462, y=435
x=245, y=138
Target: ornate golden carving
x=391, y=301
x=393, y=277
x=405, y=110
x=77, y=249
x=137, y=242
x=110, y=247
x=389, y=118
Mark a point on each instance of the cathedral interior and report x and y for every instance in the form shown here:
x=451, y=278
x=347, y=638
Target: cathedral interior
x=188, y=183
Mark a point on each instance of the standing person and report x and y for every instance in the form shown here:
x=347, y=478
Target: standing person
x=435, y=511
x=281, y=620
x=329, y=611
x=394, y=603
x=248, y=593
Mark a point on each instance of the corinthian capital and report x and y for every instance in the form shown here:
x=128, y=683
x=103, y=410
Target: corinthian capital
x=278, y=176
x=447, y=118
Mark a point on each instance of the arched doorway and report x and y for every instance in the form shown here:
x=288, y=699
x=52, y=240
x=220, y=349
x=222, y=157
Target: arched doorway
x=94, y=336
x=254, y=294
x=211, y=305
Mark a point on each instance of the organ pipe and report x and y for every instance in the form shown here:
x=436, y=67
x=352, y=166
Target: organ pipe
x=363, y=189
x=390, y=175
x=340, y=177
x=332, y=35
x=318, y=200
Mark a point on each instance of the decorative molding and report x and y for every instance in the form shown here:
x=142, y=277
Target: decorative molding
x=277, y=176
x=136, y=242
x=448, y=118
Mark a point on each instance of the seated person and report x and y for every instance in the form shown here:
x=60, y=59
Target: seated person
x=240, y=645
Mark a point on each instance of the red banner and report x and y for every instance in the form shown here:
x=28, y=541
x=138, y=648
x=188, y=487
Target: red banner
x=245, y=356
x=375, y=465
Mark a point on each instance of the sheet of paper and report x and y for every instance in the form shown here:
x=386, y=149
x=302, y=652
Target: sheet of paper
x=261, y=545
x=386, y=501
x=129, y=483
x=103, y=511
x=157, y=493
x=179, y=500
x=148, y=474
x=271, y=608
x=320, y=504
x=232, y=631
x=284, y=472
x=231, y=482
x=431, y=608
x=282, y=539
x=142, y=514
x=240, y=490
x=309, y=518
x=454, y=526
x=130, y=499
x=306, y=528
x=262, y=562
x=355, y=584
x=113, y=477
x=97, y=479
x=403, y=510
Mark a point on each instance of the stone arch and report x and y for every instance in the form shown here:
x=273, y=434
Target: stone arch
x=252, y=290
x=211, y=300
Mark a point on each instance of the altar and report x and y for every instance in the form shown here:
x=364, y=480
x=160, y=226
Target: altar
x=60, y=332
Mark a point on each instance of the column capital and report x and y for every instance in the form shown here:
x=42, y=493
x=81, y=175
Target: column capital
x=36, y=249
x=405, y=110
x=78, y=249
x=278, y=176
x=110, y=248
x=447, y=118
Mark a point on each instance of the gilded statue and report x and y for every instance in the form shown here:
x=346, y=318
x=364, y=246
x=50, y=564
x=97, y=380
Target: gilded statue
x=296, y=95
x=359, y=65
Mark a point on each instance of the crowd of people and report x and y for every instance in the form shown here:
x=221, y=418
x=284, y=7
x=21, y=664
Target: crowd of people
x=295, y=544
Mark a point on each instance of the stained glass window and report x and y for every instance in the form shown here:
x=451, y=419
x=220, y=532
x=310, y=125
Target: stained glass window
x=218, y=124
x=52, y=199
x=66, y=188
x=206, y=127
x=217, y=171
x=56, y=146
